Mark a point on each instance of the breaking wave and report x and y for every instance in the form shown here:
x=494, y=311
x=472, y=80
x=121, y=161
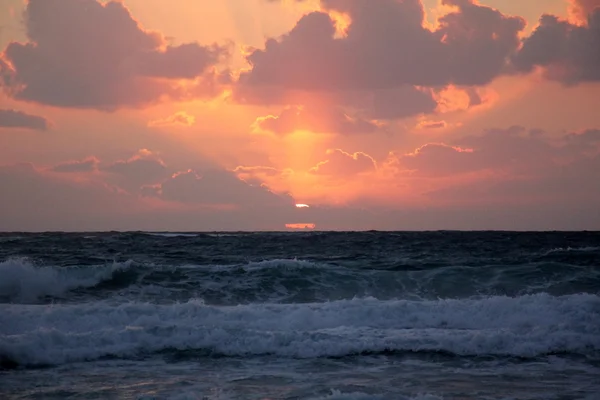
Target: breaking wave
x=23, y=282
x=525, y=326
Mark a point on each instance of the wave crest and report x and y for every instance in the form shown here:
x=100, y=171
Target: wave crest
x=23, y=282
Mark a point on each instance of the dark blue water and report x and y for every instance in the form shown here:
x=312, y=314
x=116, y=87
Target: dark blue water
x=403, y=315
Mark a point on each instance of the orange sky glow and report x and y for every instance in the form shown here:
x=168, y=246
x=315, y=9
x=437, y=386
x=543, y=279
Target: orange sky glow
x=254, y=114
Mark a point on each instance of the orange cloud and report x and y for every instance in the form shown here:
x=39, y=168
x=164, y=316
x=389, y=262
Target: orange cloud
x=581, y=10
x=342, y=165
x=180, y=118
x=314, y=119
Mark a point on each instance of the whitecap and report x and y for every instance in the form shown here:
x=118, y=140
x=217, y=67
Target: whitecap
x=23, y=282
x=525, y=326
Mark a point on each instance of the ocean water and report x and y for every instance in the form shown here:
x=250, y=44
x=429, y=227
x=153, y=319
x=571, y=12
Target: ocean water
x=404, y=315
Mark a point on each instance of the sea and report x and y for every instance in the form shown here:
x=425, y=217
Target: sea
x=300, y=315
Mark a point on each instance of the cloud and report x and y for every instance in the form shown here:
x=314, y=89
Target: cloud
x=218, y=188
x=88, y=164
x=37, y=199
x=581, y=9
x=99, y=57
x=523, y=171
x=385, y=66
x=387, y=47
x=585, y=141
x=561, y=188
x=432, y=124
x=512, y=151
x=341, y=164
x=19, y=119
x=315, y=119
x=34, y=200
x=402, y=102
x=565, y=51
x=180, y=118
x=143, y=168
x=277, y=180
x=439, y=159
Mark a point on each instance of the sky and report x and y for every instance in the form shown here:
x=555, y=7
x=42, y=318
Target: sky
x=299, y=114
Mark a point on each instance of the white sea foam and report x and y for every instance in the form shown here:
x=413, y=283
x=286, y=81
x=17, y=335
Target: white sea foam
x=23, y=282
x=524, y=326
x=572, y=249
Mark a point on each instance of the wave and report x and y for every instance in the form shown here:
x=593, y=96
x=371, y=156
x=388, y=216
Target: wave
x=526, y=326
x=23, y=282
x=283, y=281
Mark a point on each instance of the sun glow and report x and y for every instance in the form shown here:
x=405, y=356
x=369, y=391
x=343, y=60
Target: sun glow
x=302, y=206
x=301, y=226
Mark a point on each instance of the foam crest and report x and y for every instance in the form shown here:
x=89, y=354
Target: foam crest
x=23, y=282
x=526, y=326
x=586, y=249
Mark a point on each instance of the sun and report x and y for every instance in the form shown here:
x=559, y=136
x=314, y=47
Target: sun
x=300, y=205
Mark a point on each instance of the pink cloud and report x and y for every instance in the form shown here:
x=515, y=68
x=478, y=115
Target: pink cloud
x=99, y=57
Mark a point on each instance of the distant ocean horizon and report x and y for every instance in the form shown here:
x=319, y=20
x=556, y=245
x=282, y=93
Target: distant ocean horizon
x=306, y=314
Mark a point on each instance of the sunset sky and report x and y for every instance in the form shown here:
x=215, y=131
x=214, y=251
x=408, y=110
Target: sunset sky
x=372, y=114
